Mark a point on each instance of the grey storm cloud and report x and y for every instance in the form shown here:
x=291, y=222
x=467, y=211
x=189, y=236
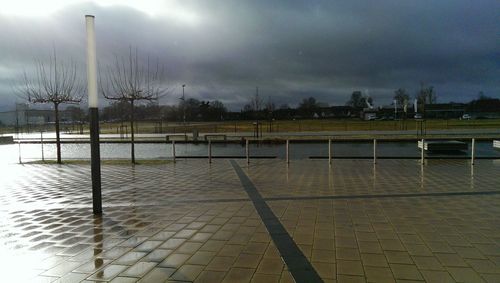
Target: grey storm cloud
x=290, y=49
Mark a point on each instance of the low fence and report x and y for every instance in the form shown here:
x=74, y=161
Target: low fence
x=422, y=144
x=6, y=139
x=284, y=147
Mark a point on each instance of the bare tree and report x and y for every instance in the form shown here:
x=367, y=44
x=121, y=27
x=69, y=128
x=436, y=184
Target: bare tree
x=57, y=83
x=401, y=96
x=270, y=106
x=132, y=82
x=357, y=100
x=256, y=101
x=426, y=95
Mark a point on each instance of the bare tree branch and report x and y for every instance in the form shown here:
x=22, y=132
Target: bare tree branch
x=58, y=83
x=128, y=80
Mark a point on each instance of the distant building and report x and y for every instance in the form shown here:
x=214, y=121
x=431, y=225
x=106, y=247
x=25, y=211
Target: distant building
x=23, y=115
x=344, y=111
x=17, y=117
x=444, y=110
x=484, y=108
x=389, y=112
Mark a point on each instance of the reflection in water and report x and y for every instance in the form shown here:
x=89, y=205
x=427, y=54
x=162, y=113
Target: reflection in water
x=298, y=151
x=287, y=173
x=472, y=177
x=421, y=176
x=98, y=239
x=210, y=172
x=330, y=177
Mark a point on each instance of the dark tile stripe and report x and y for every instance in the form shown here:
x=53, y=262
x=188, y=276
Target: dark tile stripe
x=298, y=265
x=408, y=157
x=327, y=197
x=228, y=156
x=403, y=195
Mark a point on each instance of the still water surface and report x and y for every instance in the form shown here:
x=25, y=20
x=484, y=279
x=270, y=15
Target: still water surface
x=10, y=153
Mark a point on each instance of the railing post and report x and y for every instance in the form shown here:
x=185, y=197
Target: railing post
x=19, y=143
x=173, y=150
x=209, y=151
x=473, y=149
x=287, y=151
x=374, y=151
x=330, y=151
x=422, y=154
x=247, y=151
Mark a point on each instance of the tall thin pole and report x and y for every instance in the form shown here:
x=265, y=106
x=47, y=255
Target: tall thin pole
x=209, y=151
x=183, y=105
x=95, y=155
x=287, y=151
x=422, y=156
x=472, y=150
x=184, y=110
x=19, y=152
x=173, y=150
x=374, y=151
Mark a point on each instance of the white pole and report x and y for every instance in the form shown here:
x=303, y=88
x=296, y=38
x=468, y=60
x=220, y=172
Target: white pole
x=330, y=151
x=209, y=151
x=91, y=62
x=173, y=150
x=473, y=149
x=247, y=151
x=374, y=151
x=19, y=143
x=422, y=155
x=287, y=151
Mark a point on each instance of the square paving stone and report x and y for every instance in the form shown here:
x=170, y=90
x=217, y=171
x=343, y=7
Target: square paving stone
x=405, y=271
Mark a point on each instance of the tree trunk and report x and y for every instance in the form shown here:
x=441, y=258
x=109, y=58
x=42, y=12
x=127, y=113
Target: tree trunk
x=132, y=150
x=58, y=140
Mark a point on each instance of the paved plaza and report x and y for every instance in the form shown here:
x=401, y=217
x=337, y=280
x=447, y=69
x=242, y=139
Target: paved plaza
x=354, y=221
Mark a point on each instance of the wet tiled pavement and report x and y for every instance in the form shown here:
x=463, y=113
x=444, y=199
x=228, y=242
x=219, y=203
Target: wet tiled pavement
x=263, y=222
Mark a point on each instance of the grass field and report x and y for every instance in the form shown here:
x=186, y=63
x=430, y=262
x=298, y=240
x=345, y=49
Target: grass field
x=276, y=126
x=304, y=126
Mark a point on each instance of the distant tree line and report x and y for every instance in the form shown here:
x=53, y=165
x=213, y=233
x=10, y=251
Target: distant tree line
x=195, y=110
x=309, y=108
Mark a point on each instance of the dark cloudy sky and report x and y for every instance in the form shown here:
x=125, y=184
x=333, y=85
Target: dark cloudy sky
x=290, y=49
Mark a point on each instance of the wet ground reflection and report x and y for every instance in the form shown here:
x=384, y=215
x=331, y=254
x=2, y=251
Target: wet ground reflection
x=193, y=220
x=98, y=248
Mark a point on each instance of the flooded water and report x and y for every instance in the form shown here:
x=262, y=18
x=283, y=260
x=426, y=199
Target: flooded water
x=29, y=152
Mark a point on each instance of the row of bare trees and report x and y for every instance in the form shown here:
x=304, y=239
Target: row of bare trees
x=128, y=80
x=426, y=95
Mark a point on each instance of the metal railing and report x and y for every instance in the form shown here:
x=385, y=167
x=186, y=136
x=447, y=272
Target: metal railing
x=331, y=157
x=421, y=144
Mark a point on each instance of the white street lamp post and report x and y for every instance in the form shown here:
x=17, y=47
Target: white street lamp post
x=95, y=155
